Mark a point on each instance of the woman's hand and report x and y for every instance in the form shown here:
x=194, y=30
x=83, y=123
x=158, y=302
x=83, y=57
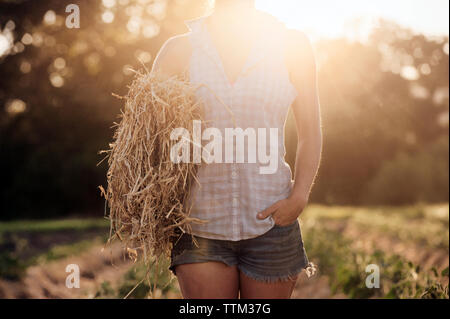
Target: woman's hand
x=286, y=211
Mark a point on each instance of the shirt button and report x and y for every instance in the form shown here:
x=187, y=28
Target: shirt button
x=234, y=174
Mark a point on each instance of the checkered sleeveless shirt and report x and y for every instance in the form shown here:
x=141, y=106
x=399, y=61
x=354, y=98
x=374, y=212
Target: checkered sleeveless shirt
x=230, y=194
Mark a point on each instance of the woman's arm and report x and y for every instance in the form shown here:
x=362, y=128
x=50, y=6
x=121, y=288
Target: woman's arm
x=301, y=63
x=306, y=110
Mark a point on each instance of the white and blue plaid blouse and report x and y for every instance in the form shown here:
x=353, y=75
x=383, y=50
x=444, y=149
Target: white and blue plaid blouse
x=231, y=194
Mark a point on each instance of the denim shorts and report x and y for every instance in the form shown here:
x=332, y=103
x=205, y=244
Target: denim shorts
x=277, y=255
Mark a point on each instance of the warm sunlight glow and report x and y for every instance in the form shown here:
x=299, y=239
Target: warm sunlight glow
x=4, y=44
x=108, y=17
x=50, y=17
x=15, y=106
x=332, y=18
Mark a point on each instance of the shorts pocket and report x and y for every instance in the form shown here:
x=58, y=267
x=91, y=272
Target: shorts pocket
x=286, y=228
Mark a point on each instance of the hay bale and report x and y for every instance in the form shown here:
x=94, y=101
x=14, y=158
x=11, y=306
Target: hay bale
x=146, y=191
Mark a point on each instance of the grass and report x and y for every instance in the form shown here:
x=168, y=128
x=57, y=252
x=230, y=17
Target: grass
x=346, y=268
x=343, y=262
x=18, y=251
x=12, y=267
x=339, y=260
x=434, y=212
x=77, y=224
x=427, y=225
x=134, y=284
x=63, y=251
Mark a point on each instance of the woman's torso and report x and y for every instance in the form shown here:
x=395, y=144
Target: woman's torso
x=233, y=191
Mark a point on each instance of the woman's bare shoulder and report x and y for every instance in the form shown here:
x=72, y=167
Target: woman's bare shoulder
x=297, y=46
x=298, y=43
x=299, y=50
x=173, y=57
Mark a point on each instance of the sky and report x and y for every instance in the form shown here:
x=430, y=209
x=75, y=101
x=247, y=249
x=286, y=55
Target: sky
x=330, y=17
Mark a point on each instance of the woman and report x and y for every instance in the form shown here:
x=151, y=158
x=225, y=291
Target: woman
x=251, y=246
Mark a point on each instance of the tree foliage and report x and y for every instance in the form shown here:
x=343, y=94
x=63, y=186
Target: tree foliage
x=56, y=106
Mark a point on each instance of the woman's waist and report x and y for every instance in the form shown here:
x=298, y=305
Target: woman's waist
x=239, y=192
x=266, y=170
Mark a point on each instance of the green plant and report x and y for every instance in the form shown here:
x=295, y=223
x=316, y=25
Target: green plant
x=12, y=267
x=105, y=291
x=140, y=282
x=345, y=266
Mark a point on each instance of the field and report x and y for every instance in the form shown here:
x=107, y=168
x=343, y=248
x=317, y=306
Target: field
x=410, y=246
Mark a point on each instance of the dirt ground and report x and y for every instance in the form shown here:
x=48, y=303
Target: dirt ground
x=369, y=240
x=98, y=265
x=48, y=281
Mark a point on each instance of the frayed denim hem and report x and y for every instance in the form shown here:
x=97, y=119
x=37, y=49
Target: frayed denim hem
x=310, y=269
x=271, y=279
x=181, y=259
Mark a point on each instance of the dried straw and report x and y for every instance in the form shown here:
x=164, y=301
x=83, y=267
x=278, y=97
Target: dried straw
x=147, y=193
